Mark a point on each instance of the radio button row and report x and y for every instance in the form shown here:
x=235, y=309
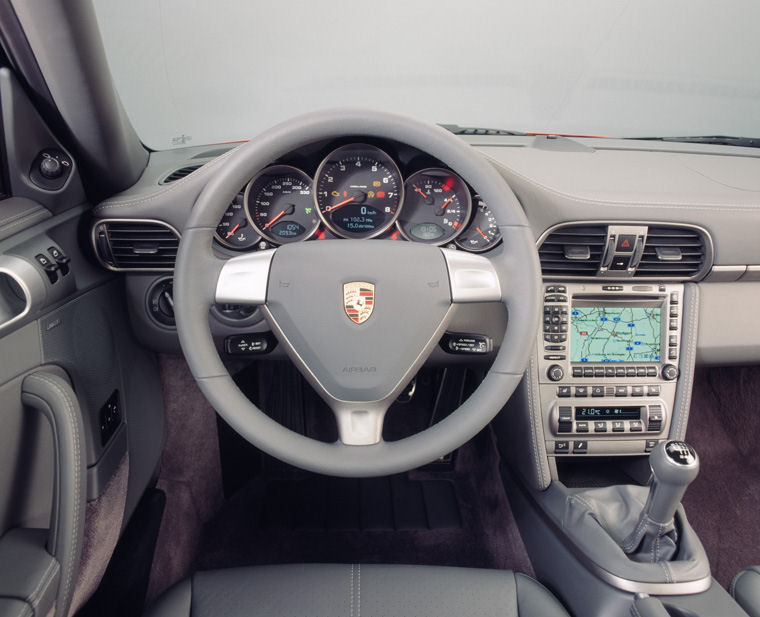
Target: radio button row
x=577, y=371
x=619, y=371
x=651, y=371
x=673, y=311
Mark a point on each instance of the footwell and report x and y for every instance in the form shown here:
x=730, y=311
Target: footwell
x=457, y=518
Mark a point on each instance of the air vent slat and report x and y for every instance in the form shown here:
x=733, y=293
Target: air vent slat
x=553, y=252
x=687, y=244
x=139, y=245
x=180, y=173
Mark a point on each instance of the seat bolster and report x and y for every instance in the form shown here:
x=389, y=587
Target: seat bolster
x=745, y=588
x=175, y=602
x=534, y=599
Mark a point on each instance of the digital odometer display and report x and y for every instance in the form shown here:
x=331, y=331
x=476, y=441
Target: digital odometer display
x=625, y=412
x=358, y=191
x=615, y=334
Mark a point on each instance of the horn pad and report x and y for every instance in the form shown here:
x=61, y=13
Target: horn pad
x=353, y=342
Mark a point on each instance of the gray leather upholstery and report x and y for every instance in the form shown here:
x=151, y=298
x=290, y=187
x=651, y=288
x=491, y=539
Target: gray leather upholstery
x=354, y=590
x=745, y=588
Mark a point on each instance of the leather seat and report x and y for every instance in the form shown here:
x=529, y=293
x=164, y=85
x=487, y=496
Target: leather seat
x=745, y=588
x=315, y=590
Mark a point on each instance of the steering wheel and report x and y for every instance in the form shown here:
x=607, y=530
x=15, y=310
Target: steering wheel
x=358, y=369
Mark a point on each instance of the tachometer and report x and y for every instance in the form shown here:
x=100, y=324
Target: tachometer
x=482, y=233
x=358, y=191
x=233, y=230
x=436, y=207
x=280, y=204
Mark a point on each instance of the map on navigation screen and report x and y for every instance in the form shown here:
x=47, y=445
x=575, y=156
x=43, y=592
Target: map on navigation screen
x=614, y=334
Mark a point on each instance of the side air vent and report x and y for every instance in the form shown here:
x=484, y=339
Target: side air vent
x=680, y=252
x=180, y=173
x=123, y=244
x=573, y=250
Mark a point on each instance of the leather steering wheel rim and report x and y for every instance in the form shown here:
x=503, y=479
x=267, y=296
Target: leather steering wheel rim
x=199, y=274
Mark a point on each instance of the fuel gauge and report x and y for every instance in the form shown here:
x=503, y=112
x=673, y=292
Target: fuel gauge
x=482, y=233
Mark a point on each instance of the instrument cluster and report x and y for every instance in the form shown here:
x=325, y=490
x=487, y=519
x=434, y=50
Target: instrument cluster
x=357, y=191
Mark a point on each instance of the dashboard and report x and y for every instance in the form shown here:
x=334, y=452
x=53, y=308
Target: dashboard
x=357, y=190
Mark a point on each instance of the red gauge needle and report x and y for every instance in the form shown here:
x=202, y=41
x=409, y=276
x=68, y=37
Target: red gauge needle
x=480, y=231
x=234, y=229
x=340, y=205
x=420, y=191
x=274, y=220
x=447, y=202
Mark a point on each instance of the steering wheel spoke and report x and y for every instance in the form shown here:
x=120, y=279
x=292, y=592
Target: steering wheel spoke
x=472, y=278
x=360, y=425
x=244, y=279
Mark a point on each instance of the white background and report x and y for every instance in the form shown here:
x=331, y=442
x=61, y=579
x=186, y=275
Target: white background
x=227, y=69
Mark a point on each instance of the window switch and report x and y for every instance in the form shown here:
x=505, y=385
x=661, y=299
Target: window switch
x=48, y=265
x=60, y=258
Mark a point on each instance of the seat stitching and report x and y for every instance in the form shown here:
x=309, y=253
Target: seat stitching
x=359, y=592
x=351, y=593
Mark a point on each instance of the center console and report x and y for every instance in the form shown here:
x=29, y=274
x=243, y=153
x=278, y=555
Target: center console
x=608, y=366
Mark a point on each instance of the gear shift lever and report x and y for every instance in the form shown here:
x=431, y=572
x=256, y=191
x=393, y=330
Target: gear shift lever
x=674, y=465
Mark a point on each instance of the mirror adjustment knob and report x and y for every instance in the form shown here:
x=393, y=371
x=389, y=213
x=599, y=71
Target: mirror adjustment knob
x=669, y=372
x=51, y=167
x=555, y=372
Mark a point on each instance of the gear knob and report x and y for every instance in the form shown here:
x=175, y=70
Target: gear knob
x=674, y=466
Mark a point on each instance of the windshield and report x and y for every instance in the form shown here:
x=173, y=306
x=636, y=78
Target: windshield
x=192, y=73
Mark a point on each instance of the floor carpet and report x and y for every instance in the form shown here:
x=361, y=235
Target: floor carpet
x=459, y=518
x=724, y=501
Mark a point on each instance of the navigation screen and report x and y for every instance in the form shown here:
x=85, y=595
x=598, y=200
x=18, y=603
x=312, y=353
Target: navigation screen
x=614, y=334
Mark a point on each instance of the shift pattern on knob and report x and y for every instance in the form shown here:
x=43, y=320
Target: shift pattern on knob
x=681, y=453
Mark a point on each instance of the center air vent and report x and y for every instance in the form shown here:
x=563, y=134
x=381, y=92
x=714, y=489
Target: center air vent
x=673, y=252
x=180, y=173
x=573, y=250
x=123, y=244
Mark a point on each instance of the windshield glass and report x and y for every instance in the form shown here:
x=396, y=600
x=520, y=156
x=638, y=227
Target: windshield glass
x=192, y=73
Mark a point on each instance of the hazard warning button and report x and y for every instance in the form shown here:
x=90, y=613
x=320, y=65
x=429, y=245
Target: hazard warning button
x=625, y=244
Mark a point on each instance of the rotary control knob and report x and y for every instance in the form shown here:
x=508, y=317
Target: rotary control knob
x=161, y=302
x=669, y=372
x=51, y=167
x=555, y=372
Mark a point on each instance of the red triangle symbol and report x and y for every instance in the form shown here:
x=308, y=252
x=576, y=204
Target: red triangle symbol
x=625, y=244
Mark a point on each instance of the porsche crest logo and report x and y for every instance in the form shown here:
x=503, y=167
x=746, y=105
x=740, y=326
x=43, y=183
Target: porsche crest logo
x=358, y=300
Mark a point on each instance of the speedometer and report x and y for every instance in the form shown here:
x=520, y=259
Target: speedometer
x=436, y=207
x=358, y=191
x=280, y=204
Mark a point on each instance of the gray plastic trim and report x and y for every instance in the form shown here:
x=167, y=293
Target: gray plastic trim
x=472, y=277
x=709, y=248
x=31, y=283
x=104, y=222
x=725, y=274
x=244, y=279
